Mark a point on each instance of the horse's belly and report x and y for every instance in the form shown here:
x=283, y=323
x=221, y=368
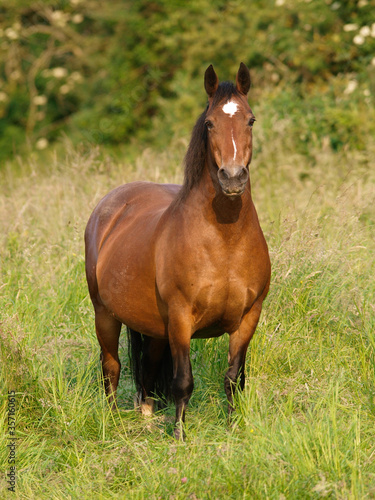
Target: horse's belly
x=215, y=330
x=126, y=293
x=126, y=286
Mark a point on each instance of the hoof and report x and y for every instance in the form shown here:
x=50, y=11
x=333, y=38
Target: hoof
x=146, y=407
x=179, y=432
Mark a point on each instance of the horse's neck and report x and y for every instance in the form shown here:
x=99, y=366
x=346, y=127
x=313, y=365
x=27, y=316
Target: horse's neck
x=230, y=215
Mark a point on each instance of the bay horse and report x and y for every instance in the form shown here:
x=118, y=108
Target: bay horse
x=175, y=263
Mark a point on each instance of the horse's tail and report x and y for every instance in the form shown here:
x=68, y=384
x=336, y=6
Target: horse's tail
x=138, y=346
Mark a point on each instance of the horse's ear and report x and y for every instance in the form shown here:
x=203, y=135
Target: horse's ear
x=211, y=81
x=243, y=80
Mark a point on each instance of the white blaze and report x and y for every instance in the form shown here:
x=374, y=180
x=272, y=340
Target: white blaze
x=230, y=108
x=234, y=147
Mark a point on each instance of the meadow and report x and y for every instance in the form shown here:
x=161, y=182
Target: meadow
x=304, y=426
x=95, y=94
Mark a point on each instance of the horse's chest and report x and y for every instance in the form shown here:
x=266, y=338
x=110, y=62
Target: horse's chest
x=217, y=280
x=225, y=297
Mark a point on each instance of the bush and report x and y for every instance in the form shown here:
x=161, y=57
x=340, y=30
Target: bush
x=107, y=73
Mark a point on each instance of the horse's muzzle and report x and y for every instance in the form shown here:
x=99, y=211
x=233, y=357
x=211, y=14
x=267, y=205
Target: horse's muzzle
x=233, y=183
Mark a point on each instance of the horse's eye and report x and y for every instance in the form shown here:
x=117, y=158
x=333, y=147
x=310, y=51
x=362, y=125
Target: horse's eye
x=251, y=122
x=209, y=124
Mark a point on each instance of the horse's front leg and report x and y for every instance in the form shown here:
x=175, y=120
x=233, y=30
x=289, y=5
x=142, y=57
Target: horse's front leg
x=179, y=332
x=238, y=344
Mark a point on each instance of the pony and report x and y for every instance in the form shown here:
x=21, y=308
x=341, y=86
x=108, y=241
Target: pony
x=175, y=263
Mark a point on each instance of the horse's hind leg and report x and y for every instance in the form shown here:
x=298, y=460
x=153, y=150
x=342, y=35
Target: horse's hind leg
x=153, y=376
x=108, y=332
x=153, y=372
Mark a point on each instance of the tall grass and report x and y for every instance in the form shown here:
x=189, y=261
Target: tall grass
x=304, y=426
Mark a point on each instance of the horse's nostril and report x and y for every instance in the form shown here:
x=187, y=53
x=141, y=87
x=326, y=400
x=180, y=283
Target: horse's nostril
x=223, y=174
x=243, y=175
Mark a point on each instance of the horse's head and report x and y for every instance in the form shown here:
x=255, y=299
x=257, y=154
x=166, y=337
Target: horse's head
x=229, y=122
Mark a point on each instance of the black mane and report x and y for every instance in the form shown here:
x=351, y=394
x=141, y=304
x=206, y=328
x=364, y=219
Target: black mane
x=196, y=153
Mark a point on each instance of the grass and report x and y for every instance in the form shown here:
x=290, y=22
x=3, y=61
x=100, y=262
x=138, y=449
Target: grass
x=304, y=426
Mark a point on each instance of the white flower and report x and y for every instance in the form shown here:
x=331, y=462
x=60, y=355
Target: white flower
x=3, y=97
x=11, y=34
x=352, y=85
x=76, y=76
x=373, y=30
x=15, y=75
x=57, y=14
x=59, y=72
x=279, y=3
x=365, y=31
x=77, y=18
x=367, y=93
x=373, y=61
x=40, y=100
x=359, y=40
x=362, y=3
x=59, y=18
x=41, y=143
x=64, y=89
x=350, y=27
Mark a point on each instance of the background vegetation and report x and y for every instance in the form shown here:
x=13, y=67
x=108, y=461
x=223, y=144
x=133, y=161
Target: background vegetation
x=106, y=73
x=94, y=94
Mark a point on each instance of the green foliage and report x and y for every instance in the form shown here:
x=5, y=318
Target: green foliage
x=108, y=73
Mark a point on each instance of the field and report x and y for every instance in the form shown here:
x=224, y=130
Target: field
x=304, y=426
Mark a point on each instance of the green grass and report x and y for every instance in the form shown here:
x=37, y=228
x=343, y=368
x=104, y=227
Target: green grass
x=304, y=426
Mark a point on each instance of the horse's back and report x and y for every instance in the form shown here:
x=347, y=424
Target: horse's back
x=129, y=203
x=120, y=238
